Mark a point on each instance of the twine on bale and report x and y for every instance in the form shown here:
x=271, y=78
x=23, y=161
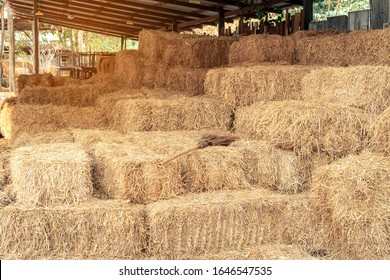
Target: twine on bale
x=206, y=141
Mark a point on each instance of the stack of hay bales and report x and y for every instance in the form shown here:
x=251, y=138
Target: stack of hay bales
x=351, y=198
x=380, y=140
x=106, y=66
x=180, y=62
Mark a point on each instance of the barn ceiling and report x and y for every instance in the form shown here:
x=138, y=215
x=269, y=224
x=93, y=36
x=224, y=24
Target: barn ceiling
x=126, y=18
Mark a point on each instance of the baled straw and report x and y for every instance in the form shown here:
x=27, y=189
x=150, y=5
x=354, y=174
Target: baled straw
x=129, y=68
x=242, y=86
x=358, y=47
x=260, y=252
x=33, y=80
x=175, y=114
x=51, y=174
x=5, y=200
x=269, y=167
x=108, y=229
x=27, y=118
x=133, y=173
x=214, y=168
x=27, y=139
x=74, y=95
x=365, y=87
x=262, y=48
x=214, y=222
x=185, y=50
x=380, y=140
x=106, y=65
x=352, y=196
x=306, y=127
x=190, y=81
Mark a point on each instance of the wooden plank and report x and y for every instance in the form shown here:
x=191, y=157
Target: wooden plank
x=11, y=52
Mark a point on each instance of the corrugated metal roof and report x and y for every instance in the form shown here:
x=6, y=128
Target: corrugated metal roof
x=126, y=18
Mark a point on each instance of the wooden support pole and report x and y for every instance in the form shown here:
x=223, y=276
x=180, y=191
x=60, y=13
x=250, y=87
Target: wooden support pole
x=287, y=29
x=2, y=45
x=35, y=29
x=174, y=26
x=122, y=42
x=11, y=51
x=308, y=10
x=221, y=22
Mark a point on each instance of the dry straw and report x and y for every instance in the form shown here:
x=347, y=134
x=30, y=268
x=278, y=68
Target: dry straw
x=129, y=68
x=269, y=167
x=306, y=127
x=193, y=113
x=19, y=118
x=365, y=87
x=106, y=65
x=352, y=196
x=5, y=200
x=51, y=174
x=133, y=173
x=59, y=81
x=355, y=48
x=219, y=221
x=262, y=48
x=187, y=80
x=34, y=80
x=241, y=86
x=380, y=140
x=98, y=229
x=214, y=168
x=260, y=252
x=74, y=95
x=186, y=50
x=28, y=139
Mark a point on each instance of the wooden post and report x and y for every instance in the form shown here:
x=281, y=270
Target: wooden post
x=122, y=42
x=35, y=29
x=174, y=26
x=221, y=22
x=308, y=10
x=2, y=46
x=11, y=51
x=287, y=29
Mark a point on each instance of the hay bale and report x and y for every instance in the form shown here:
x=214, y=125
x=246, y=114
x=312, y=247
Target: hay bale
x=51, y=174
x=306, y=127
x=132, y=173
x=74, y=95
x=364, y=87
x=129, y=68
x=19, y=118
x=242, y=86
x=190, y=81
x=380, y=140
x=268, y=167
x=98, y=229
x=190, y=51
x=34, y=80
x=262, y=48
x=193, y=113
x=358, y=47
x=352, y=196
x=260, y=252
x=214, y=168
x=214, y=222
x=106, y=65
x=27, y=139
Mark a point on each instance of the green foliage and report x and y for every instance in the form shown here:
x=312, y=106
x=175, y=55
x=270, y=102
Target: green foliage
x=330, y=8
x=257, y=11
